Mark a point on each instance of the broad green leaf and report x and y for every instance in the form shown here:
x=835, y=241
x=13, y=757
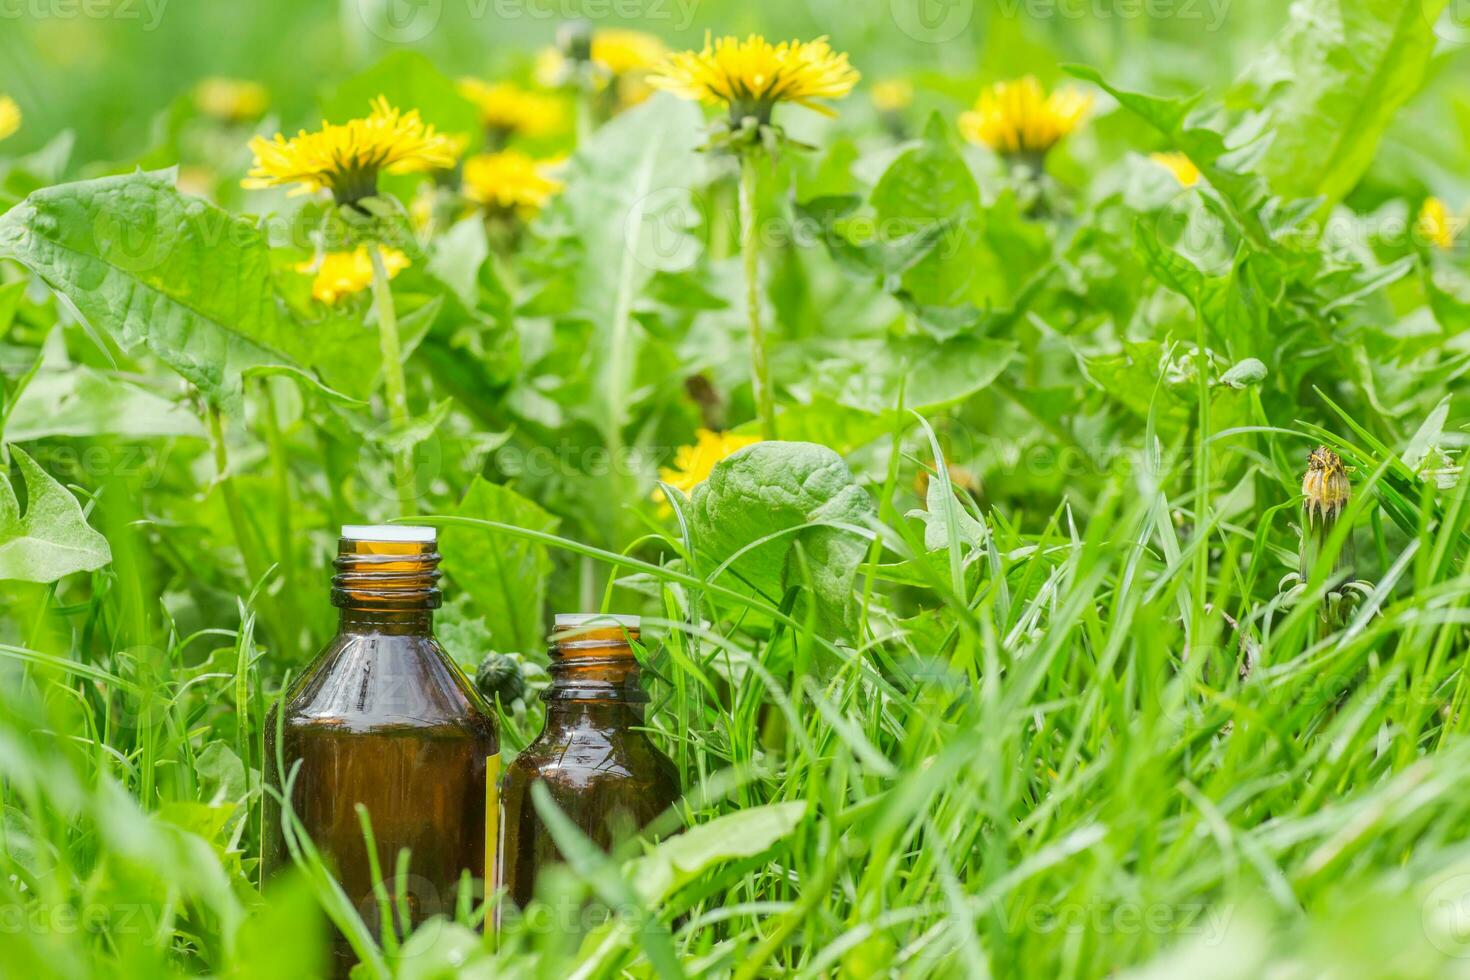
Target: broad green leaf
x=505, y=576
x=177, y=275
x=679, y=860
x=52, y=538
x=793, y=490
x=283, y=937
x=11, y=293
x=458, y=255
x=871, y=374
x=1131, y=377
x=1331, y=83
x=626, y=214
x=928, y=191
x=222, y=777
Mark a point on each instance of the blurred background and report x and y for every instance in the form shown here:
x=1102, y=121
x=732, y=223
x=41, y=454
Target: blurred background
x=110, y=69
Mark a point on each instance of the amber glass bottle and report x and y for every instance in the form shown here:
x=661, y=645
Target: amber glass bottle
x=384, y=718
x=592, y=755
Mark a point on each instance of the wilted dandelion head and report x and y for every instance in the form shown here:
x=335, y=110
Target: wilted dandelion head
x=347, y=159
x=692, y=464
x=1325, y=487
x=1022, y=117
x=231, y=99
x=751, y=76
x=9, y=117
x=1179, y=165
x=339, y=274
x=1436, y=223
x=509, y=110
x=509, y=180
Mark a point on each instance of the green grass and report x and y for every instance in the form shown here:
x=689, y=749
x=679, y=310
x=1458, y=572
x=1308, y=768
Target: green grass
x=1007, y=664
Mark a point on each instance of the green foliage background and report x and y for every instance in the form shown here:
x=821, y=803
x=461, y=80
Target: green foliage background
x=1011, y=659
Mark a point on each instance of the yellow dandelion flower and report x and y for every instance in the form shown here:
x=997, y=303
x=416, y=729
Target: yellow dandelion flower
x=619, y=51
x=231, y=99
x=9, y=117
x=348, y=158
x=510, y=180
x=692, y=464
x=1179, y=165
x=340, y=274
x=1021, y=117
x=892, y=95
x=752, y=75
x=1325, y=486
x=507, y=109
x=1437, y=224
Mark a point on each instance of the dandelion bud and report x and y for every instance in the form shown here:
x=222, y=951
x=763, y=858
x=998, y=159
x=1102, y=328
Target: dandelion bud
x=1325, y=488
x=1325, y=493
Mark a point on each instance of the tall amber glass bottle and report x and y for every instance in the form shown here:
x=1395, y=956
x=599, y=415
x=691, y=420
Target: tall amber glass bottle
x=384, y=718
x=592, y=755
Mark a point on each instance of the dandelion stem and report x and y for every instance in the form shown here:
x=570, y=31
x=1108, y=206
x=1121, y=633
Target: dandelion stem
x=397, y=390
x=760, y=372
x=281, y=471
x=586, y=111
x=234, y=508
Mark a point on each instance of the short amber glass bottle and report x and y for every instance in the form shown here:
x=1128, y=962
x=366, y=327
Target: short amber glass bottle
x=592, y=754
x=385, y=719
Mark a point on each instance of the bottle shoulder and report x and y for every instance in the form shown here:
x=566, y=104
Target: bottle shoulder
x=380, y=681
x=593, y=752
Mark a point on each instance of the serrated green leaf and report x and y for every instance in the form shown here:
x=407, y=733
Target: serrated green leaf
x=1240, y=192
x=935, y=516
x=1332, y=82
x=52, y=538
x=928, y=195
x=179, y=276
x=505, y=576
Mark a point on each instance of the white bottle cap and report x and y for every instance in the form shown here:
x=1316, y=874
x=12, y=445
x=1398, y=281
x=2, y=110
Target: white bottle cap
x=597, y=619
x=389, y=532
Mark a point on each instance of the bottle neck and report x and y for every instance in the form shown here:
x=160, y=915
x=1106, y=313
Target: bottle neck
x=386, y=586
x=592, y=666
x=411, y=622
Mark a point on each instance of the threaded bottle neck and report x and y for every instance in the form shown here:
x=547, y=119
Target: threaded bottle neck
x=386, y=576
x=594, y=661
